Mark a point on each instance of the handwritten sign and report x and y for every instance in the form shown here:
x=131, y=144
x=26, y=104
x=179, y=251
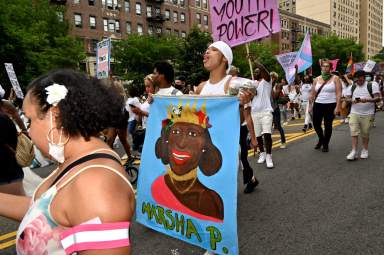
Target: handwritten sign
x=286, y=59
x=12, y=77
x=103, y=58
x=240, y=21
x=369, y=66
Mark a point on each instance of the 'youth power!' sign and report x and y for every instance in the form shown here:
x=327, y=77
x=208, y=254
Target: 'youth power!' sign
x=240, y=21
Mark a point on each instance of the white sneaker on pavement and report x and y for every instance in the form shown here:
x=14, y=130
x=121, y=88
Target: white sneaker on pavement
x=283, y=146
x=364, y=154
x=261, y=158
x=269, y=161
x=352, y=156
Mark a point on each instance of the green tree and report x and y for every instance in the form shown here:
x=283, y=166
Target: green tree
x=261, y=52
x=134, y=57
x=379, y=57
x=35, y=40
x=332, y=47
x=192, y=53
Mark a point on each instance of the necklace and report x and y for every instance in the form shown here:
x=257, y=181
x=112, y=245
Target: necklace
x=191, y=175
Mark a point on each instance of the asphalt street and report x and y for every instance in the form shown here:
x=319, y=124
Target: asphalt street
x=310, y=203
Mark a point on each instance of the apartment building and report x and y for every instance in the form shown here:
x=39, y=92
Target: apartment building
x=288, y=5
x=294, y=27
x=360, y=20
x=94, y=20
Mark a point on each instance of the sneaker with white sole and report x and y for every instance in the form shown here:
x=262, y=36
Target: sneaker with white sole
x=364, y=154
x=352, y=156
x=269, y=161
x=283, y=146
x=261, y=158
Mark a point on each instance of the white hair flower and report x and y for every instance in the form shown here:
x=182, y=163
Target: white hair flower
x=55, y=93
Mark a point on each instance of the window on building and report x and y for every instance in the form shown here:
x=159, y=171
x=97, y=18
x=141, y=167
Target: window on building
x=138, y=8
x=140, y=29
x=76, y=1
x=91, y=2
x=175, y=16
x=183, y=34
x=92, y=22
x=198, y=18
x=150, y=30
x=103, y=3
x=111, y=26
x=182, y=17
x=176, y=32
x=159, y=30
x=182, y=3
x=78, y=20
x=127, y=6
x=117, y=26
x=198, y=3
x=105, y=25
x=157, y=11
x=205, y=4
x=110, y=4
x=128, y=27
x=60, y=16
x=167, y=14
x=174, y=1
x=149, y=11
x=206, y=20
x=94, y=45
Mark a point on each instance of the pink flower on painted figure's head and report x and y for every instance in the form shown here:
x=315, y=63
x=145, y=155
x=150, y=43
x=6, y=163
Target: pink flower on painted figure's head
x=34, y=239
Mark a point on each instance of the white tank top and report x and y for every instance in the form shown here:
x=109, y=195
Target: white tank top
x=216, y=89
x=327, y=94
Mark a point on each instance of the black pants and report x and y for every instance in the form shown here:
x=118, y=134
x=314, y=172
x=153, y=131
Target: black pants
x=326, y=112
x=247, y=169
x=277, y=123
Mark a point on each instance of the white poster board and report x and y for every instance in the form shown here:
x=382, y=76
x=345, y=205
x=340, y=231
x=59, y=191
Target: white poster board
x=13, y=79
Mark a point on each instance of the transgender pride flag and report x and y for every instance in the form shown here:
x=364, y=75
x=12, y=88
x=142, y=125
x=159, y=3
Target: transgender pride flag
x=303, y=59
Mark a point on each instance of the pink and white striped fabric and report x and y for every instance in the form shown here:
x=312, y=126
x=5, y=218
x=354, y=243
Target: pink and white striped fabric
x=95, y=237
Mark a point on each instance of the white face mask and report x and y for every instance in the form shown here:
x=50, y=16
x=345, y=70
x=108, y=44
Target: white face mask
x=56, y=151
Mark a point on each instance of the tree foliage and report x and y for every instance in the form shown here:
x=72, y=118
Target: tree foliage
x=35, y=40
x=135, y=56
x=332, y=47
x=191, y=58
x=379, y=57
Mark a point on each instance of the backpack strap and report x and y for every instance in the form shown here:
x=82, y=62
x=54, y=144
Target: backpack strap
x=83, y=160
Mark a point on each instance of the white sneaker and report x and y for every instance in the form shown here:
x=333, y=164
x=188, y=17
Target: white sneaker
x=364, y=154
x=269, y=161
x=283, y=146
x=352, y=156
x=346, y=121
x=261, y=158
x=209, y=253
x=285, y=123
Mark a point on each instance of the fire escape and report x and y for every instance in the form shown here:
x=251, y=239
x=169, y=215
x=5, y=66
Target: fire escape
x=155, y=17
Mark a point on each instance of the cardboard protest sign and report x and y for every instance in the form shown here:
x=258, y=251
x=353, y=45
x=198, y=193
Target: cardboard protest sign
x=103, y=58
x=240, y=21
x=15, y=83
x=187, y=185
x=286, y=59
x=369, y=65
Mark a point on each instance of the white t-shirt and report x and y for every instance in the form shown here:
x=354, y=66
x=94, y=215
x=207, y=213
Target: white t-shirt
x=145, y=108
x=132, y=101
x=305, y=91
x=285, y=89
x=362, y=92
x=262, y=101
x=168, y=92
x=328, y=93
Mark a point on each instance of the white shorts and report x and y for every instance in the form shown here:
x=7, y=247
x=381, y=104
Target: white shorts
x=262, y=122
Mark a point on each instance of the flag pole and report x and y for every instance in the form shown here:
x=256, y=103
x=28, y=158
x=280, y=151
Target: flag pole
x=249, y=61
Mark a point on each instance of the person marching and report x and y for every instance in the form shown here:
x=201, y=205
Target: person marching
x=305, y=91
x=275, y=100
x=326, y=97
x=363, y=95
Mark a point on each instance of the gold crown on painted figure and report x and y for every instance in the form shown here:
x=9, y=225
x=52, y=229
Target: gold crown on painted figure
x=187, y=114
